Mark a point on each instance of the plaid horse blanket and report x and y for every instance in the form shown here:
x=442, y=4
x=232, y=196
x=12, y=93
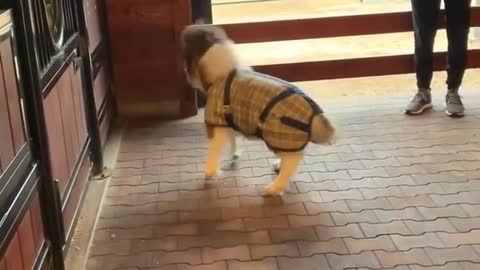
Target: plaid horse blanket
x=259, y=105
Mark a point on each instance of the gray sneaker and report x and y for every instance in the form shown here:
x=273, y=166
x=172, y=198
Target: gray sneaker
x=421, y=102
x=454, y=104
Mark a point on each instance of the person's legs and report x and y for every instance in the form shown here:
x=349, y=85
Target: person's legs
x=425, y=18
x=458, y=24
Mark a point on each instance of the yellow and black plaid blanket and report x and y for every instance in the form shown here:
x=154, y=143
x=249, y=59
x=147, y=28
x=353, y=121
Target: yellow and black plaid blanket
x=256, y=104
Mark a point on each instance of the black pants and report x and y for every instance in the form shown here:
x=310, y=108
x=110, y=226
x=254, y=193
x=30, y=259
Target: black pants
x=425, y=18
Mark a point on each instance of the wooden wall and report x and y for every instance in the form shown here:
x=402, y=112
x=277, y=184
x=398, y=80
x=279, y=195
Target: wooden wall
x=23, y=216
x=147, y=73
x=67, y=135
x=101, y=71
x=26, y=242
x=12, y=134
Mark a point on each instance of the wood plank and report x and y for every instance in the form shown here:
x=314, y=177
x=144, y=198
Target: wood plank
x=106, y=124
x=27, y=241
x=357, y=67
x=92, y=18
x=340, y=26
x=14, y=255
x=12, y=91
x=100, y=88
x=37, y=223
x=68, y=118
x=77, y=192
x=3, y=263
x=56, y=138
x=7, y=149
x=79, y=100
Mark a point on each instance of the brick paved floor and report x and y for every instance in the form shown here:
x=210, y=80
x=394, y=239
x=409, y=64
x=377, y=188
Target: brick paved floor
x=397, y=192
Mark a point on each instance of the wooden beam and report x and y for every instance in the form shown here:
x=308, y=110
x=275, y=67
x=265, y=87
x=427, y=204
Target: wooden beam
x=328, y=27
x=358, y=67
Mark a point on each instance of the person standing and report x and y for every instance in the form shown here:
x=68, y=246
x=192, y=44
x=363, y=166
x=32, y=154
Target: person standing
x=425, y=15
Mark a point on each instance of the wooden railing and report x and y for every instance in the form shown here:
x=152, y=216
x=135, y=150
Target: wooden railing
x=356, y=25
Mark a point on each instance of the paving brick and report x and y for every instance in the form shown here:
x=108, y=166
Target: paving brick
x=178, y=177
x=267, y=264
x=465, y=224
x=310, y=159
x=289, y=249
x=458, y=239
x=339, y=175
x=360, y=156
x=406, y=242
x=241, y=212
x=360, y=183
x=143, y=260
x=422, y=190
x=150, y=245
x=448, y=266
x=112, y=247
x=392, y=191
x=328, y=185
x=239, y=191
x=330, y=196
x=360, y=205
x=200, y=215
x=414, y=201
x=117, y=191
x=448, y=211
x=314, y=220
x=408, y=191
x=278, y=222
x=377, y=172
x=312, y=196
x=124, y=234
x=461, y=253
x=392, y=259
x=134, y=221
x=472, y=210
x=365, y=259
x=317, y=167
x=207, y=194
x=423, y=179
x=213, y=266
x=304, y=233
x=375, y=163
x=291, y=209
x=191, y=256
x=117, y=211
x=176, y=229
x=326, y=233
x=210, y=255
x=348, y=218
x=260, y=201
x=394, y=181
x=470, y=265
x=309, y=248
x=379, y=243
x=391, y=215
x=462, y=197
x=394, y=227
x=127, y=172
x=132, y=180
x=317, y=208
x=223, y=239
x=229, y=239
x=344, y=165
x=317, y=262
x=230, y=225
